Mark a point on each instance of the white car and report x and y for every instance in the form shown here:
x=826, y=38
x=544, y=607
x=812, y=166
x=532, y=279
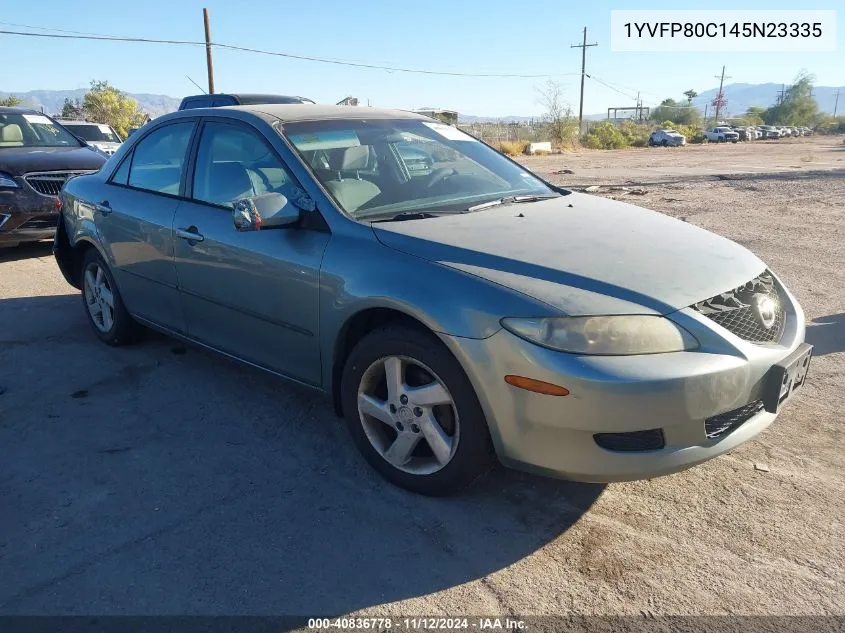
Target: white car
x=98, y=135
x=721, y=134
x=667, y=138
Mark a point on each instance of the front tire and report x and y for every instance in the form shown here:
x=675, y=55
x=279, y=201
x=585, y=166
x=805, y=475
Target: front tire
x=413, y=413
x=103, y=303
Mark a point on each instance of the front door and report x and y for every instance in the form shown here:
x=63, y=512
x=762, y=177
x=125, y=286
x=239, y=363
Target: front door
x=253, y=295
x=136, y=222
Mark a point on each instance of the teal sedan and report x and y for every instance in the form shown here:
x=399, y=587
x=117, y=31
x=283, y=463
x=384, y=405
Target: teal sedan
x=455, y=307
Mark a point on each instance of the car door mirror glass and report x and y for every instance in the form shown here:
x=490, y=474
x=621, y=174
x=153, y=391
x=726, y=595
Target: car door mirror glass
x=265, y=211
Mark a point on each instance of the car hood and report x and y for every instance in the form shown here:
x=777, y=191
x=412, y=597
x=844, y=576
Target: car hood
x=20, y=160
x=582, y=254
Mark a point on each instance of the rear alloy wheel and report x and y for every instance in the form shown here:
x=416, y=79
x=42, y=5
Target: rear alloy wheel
x=103, y=304
x=413, y=413
x=664, y=143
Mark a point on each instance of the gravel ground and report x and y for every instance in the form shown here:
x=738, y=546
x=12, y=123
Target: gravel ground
x=160, y=480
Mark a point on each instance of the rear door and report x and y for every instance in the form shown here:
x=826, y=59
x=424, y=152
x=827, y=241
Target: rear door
x=253, y=295
x=135, y=220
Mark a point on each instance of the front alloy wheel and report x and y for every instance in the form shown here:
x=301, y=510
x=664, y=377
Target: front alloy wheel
x=412, y=412
x=408, y=415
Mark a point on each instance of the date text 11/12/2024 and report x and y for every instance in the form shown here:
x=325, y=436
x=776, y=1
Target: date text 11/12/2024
x=416, y=623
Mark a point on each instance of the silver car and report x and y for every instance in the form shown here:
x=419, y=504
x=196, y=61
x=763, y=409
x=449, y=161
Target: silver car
x=472, y=313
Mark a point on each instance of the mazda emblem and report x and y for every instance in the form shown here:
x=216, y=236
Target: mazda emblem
x=765, y=310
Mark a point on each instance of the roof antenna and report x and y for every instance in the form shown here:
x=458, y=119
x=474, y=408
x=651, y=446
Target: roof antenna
x=196, y=84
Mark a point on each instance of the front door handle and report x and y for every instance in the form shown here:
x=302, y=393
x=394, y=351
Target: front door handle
x=191, y=234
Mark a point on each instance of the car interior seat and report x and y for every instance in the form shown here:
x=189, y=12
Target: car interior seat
x=11, y=136
x=347, y=186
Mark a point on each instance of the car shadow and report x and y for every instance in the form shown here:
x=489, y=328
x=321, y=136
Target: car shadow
x=827, y=334
x=158, y=478
x=29, y=250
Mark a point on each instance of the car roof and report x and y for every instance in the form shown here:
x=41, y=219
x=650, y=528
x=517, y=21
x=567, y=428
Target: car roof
x=290, y=112
x=13, y=110
x=248, y=97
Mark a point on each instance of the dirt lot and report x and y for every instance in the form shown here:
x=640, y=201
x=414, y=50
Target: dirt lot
x=159, y=480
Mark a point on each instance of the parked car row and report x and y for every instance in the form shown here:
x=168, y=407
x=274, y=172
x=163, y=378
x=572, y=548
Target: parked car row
x=727, y=133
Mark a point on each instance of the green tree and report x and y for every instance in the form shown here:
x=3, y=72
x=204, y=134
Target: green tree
x=671, y=110
x=72, y=109
x=104, y=103
x=755, y=115
x=798, y=106
x=11, y=101
x=690, y=95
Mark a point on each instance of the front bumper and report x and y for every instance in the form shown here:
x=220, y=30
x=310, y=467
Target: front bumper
x=674, y=392
x=26, y=216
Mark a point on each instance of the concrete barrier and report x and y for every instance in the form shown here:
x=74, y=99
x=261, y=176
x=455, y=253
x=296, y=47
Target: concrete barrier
x=533, y=148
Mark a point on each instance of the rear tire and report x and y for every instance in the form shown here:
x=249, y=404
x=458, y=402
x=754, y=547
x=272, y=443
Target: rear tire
x=103, y=304
x=389, y=382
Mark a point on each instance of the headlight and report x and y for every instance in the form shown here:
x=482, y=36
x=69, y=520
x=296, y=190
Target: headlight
x=605, y=335
x=6, y=181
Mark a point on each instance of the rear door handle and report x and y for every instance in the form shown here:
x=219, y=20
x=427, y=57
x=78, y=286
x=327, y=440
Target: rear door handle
x=191, y=234
x=104, y=207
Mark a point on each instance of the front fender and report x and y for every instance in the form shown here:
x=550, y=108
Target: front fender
x=360, y=273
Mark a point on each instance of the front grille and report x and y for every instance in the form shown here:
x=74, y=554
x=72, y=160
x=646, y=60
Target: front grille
x=723, y=423
x=42, y=222
x=743, y=312
x=50, y=183
x=632, y=442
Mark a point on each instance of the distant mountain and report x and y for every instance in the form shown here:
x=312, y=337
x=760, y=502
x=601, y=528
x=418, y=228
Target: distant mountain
x=52, y=100
x=742, y=96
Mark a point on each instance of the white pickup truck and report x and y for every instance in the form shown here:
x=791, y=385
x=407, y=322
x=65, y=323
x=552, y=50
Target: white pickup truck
x=721, y=134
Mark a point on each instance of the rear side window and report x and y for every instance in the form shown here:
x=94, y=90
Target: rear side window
x=158, y=159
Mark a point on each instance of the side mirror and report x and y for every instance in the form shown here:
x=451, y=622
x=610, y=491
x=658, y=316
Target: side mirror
x=265, y=211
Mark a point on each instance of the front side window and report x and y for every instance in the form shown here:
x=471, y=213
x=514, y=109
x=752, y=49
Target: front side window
x=379, y=167
x=158, y=159
x=33, y=130
x=234, y=162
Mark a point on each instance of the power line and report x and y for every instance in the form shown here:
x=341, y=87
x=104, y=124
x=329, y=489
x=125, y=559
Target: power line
x=607, y=85
x=310, y=58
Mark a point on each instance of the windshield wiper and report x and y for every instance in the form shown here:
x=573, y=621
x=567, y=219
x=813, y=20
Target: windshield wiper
x=410, y=215
x=511, y=200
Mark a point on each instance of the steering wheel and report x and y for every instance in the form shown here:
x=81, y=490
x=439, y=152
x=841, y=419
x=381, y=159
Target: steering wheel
x=441, y=174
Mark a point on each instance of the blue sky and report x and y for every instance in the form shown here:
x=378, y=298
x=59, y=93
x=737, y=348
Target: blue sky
x=457, y=35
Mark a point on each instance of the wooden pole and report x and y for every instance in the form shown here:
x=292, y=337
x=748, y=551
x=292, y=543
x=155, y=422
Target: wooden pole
x=208, y=61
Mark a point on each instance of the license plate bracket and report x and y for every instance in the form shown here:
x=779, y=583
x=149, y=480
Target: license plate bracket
x=785, y=377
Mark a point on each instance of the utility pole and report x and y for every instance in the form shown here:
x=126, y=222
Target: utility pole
x=208, y=52
x=781, y=93
x=583, y=46
x=836, y=104
x=719, y=96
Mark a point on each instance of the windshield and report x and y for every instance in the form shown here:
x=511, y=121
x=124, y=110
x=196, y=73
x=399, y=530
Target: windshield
x=32, y=130
x=391, y=166
x=94, y=132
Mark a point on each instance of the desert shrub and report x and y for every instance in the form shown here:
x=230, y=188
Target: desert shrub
x=605, y=135
x=636, y=134
x=512, y=148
